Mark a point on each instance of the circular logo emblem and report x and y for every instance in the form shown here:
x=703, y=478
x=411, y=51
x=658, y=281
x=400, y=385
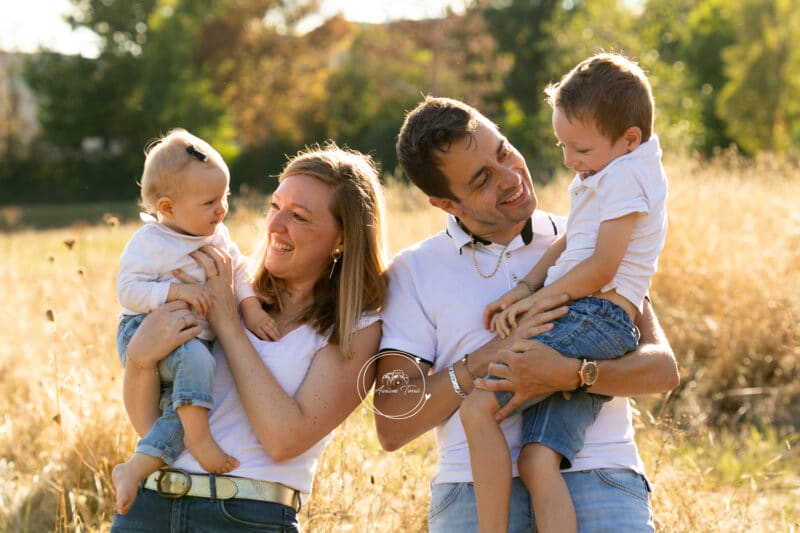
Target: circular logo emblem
x=402, y=377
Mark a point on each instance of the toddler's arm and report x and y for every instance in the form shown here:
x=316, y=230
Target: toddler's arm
x=140, y=269
x=533, y=280
x=196, y=296
x=586, y=278
x=257, y=320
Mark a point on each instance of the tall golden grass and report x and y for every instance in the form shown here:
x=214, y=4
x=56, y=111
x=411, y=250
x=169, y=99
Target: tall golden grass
x=722, y=451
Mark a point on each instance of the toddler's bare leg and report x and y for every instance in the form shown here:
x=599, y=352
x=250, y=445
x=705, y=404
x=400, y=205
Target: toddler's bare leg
x=490, y=460
x=200, y=443
x=540, y=469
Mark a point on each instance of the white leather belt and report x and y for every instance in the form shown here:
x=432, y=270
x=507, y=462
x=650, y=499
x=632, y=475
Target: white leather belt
x=176, y=483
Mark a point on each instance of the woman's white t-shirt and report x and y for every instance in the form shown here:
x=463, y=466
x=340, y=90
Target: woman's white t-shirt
x=288, y=359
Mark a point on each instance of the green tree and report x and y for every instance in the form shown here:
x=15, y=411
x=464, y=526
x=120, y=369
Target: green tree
x=691, y=36
x=386, y=70
x=271, y=75
x=97, y=114
x=546, y=39
x=611, y=25
x=523, y=33
x=761, y=100
x=380, y=74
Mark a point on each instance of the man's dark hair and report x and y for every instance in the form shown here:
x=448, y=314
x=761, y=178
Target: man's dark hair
x=428, y=130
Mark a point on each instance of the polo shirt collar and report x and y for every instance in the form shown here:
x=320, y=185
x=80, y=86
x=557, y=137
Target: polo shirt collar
x=461, y=237
x=646, y=150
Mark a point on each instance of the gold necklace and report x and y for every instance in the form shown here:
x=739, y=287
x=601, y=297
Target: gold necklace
x=496, y=267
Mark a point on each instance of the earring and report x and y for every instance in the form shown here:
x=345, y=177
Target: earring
x=336, y=255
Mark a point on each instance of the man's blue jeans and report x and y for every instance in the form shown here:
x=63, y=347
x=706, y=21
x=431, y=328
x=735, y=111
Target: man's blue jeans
x=606, y=501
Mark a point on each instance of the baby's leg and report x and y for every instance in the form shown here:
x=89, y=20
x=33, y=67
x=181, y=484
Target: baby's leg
x=198, y=440
x=490, y=460
x=540, y=469
x=191, y=368
x=127, y=475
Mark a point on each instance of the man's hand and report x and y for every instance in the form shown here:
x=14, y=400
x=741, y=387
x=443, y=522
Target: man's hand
x=529, y=369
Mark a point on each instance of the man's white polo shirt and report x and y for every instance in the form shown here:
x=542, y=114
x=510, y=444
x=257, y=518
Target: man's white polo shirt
x=434, y=310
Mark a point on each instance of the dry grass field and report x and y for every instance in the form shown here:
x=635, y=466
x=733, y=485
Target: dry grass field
x=723, y=451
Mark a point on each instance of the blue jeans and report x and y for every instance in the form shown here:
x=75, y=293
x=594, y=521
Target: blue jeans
x=153, y=514
x=596, y=329
x=606, y=500
x=187, y=375
x=453, y=508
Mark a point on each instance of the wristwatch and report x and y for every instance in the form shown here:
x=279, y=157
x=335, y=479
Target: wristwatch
x=587, y=374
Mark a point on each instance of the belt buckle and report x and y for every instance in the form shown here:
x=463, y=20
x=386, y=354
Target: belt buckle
x=187, y=482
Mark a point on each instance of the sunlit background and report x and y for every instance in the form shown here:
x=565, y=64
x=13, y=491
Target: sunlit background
x=26, y=25
x=260, y=79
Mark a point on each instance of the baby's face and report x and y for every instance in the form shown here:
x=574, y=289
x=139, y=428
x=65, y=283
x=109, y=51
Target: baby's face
x=202, y=201
x=586, y=150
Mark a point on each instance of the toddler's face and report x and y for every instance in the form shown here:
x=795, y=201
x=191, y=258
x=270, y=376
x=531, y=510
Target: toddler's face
x=586, y=150
x=202, y=201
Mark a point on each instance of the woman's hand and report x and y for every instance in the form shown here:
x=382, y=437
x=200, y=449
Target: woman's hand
x=217, y=264
x=162, y=330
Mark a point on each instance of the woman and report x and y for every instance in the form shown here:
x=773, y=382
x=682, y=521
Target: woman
x=321, y=278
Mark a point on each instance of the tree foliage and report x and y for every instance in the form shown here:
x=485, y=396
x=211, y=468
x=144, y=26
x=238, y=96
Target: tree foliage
x=521, y=29
x=691, y=36
x=253, y=79
x=760, y=103
x=386, y=70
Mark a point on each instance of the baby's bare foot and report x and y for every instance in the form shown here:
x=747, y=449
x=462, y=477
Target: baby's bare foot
x=126, y=478
x=126, y=484
x=210, y=455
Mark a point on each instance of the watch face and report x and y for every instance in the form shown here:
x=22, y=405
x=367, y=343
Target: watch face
x=589, y=372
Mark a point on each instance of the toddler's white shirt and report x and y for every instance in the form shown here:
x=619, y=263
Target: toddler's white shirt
x=633, y=183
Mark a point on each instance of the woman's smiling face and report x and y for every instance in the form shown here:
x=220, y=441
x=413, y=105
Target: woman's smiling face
x=302, y=232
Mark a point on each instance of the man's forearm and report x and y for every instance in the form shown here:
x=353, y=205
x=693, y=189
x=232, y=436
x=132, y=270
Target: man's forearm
x=650, y=369
x=401, y=418
x=533, y=369
x=396, y=429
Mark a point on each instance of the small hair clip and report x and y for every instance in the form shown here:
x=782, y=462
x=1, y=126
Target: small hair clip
x=197, y=153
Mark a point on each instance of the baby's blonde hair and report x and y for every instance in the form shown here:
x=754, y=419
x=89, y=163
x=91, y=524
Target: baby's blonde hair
x=165, y=159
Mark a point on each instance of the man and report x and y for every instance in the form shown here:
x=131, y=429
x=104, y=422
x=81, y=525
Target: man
x=433, y=330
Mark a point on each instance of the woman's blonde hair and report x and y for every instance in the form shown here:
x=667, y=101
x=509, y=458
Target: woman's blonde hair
x=358, y=283
x=165, y=159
